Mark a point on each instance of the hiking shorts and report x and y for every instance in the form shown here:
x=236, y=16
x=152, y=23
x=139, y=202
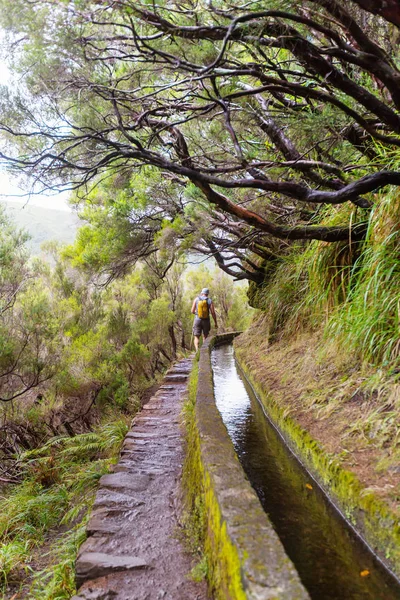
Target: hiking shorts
x=201, y=326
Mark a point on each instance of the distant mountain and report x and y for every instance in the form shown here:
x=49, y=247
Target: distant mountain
x=43, y=224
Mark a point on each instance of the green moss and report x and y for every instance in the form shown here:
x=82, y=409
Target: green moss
x=200, y=570
x=194, y=521
x=204, y=524
x=372, y=517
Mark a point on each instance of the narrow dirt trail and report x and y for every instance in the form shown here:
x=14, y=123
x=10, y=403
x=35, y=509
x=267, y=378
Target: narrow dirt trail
x=133, y=551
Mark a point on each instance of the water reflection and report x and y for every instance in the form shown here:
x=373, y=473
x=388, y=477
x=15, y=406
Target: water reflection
x=328, y=557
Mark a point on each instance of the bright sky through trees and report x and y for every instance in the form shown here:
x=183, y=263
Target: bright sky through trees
x=11, y=191
x=15, y=191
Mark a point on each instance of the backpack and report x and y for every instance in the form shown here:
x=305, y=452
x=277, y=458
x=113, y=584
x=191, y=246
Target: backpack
x=202, y=308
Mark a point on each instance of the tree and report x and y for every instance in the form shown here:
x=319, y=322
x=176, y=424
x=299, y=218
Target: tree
x=26, y=325
x=257, y=123
x=13, y=256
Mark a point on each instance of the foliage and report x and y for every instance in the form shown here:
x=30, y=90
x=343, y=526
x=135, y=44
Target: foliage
x=57, y=581
x=350, y=290
x=26, y=326
x=60, y=481
x=249, y=122
x=367, y=323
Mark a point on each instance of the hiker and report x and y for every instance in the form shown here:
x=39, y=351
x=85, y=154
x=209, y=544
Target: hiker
x=202, y=307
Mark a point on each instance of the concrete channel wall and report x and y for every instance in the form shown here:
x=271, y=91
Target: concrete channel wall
x=370, y=518
x=245, y=557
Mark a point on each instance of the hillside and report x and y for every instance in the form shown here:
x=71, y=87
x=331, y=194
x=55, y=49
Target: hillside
x=43, y=224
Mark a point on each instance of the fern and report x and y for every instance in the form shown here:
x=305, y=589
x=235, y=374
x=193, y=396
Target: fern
x=61, y=480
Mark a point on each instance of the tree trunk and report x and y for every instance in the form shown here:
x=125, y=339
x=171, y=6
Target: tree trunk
x=171, y=331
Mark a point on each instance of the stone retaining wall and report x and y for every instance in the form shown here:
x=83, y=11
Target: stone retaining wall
x=245, y=557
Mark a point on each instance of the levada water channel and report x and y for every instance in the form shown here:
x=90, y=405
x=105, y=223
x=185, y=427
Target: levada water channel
x=328, y=556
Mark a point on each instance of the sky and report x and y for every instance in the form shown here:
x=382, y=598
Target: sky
x=9, y=189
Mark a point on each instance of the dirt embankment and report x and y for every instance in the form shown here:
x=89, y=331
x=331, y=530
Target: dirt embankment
x=352, y=411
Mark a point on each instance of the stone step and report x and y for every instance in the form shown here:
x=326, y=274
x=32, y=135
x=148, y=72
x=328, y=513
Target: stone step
x=92, y=565
x=177, y=378
x=132, y=551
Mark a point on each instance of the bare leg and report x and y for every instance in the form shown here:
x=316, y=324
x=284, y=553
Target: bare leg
x=196, y=342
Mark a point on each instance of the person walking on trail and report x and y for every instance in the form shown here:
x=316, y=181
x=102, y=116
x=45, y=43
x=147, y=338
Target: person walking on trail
x=202, y=307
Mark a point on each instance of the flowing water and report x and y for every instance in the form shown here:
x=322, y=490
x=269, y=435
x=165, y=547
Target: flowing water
x=331, y=560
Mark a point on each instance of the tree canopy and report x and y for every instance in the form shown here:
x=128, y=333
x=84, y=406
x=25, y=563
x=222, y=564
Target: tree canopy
x=231, y=129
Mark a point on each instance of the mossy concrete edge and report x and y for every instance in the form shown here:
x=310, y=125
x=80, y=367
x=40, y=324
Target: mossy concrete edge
x=245, y=558
x=371, y=518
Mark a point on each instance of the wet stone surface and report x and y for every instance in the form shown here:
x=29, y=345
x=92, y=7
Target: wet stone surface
x=133, y=550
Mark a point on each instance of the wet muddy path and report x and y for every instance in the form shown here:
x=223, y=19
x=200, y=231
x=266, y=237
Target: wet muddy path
x=134, y=550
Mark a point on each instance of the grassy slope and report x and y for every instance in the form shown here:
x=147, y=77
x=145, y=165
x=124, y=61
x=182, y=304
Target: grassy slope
x=353, y=411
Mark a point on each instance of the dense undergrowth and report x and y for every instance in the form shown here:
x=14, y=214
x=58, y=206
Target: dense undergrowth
x=349, y=291
x=47, y=513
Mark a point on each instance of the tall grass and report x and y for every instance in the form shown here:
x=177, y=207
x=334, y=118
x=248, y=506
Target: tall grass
x=281, y=297
x=351, y=291
x=367, y=323
x=57, y=580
